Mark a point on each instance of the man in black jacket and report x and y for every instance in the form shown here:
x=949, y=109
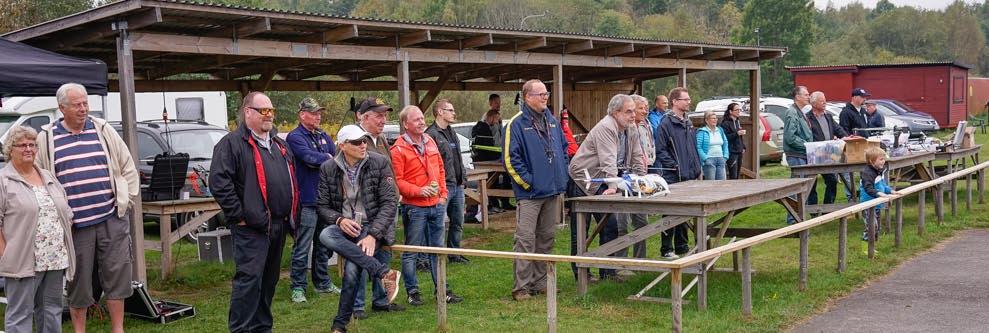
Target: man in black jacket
x=676, y=152
x=359, y=202
x=252, y=179
x=823, y=128
x=456, y=176
x=852, y=116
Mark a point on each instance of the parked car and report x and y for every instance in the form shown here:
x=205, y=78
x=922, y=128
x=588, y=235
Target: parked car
x=771, y=146
x=391, y=134
x=191, y=137
x=834, y=108
x=918, y=122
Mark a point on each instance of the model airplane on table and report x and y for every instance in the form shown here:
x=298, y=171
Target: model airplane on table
x=633, y=185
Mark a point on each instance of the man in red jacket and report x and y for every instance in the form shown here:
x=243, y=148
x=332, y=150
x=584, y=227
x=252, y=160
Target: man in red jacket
x=421, y=181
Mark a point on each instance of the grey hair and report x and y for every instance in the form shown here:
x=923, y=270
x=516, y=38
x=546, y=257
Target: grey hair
x=617, y=101
x=639, y=99
x=17, y=133
x=62, y=95
x=814, y=96
x=404, y=114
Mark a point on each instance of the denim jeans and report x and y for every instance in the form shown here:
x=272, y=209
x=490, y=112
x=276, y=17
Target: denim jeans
x=335, y=239
x=304, y=239
x=574, y=191
x=714, y=168
x=812, y=196
x=378, y=296
x=424, y=228
x=455, y=210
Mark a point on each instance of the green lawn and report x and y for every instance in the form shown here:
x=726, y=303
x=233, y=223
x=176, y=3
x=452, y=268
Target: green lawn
x=486, y=285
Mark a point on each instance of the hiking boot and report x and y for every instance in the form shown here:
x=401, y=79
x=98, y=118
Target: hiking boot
x=390, y=283
x=360, y=314
x=521, y=295
x=452, y=298
x=391, y=307
x=331, y=289
x=670, y=256
x=298, y=295
x=415, y=298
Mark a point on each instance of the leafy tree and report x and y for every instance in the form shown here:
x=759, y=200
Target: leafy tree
x=882, y=7
x=613, y=23
x=24, y=13
x=787, y=23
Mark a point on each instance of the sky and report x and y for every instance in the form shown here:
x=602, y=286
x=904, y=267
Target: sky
x=926, y=4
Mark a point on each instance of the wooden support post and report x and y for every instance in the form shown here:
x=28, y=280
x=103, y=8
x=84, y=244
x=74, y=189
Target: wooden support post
x=677, y=299
x=952, y=187
x=582, y=272
x=968, y=192
x=551, y=296
x=482, y=185
x=441, y=292
x=980, y=180
x=682, y=77
x=165, y=229
x=842, y=243
x=804, y=253
x=404, y=97
x=746, y=283
x=700, y=226
x=921, y=212
x=128, y=114
x=898, y=231
x=751, y=158
x=870, y=225
x=939, y=203
x=557, y=92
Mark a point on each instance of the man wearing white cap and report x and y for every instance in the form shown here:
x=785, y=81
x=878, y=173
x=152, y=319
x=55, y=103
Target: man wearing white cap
x=358, y=201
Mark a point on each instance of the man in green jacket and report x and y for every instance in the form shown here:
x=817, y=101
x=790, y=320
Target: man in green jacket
x=796, y=132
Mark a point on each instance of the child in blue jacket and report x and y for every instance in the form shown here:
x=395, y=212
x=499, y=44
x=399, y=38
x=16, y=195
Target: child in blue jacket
x=874, y=185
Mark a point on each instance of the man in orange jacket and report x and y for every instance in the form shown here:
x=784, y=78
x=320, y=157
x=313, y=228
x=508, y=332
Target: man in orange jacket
x=421, y=181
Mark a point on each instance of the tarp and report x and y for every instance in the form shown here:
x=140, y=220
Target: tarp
x=29, y=71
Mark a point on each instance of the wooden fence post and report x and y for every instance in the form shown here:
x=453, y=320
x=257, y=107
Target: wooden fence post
x=898, y=232
x=921, y=212
x=804, y=250
x=441, y=292
x=551, y=296
x=746, y=283
x=968, y=192
x=939, y=203
x=842, y=243
x=871, y=222
x=676, y=300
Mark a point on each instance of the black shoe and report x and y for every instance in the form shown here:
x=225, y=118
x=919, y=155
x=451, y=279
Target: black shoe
x=471, y=219
x=452, y=298
x=388, y=308
x=422, y=266
x=458, y=259
x=495, y=210
x=415, y=299
x=360, y=315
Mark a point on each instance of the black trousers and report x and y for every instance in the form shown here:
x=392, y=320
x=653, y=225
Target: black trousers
x=734, y=165
x=675, y=239
x=257, y=258
x=609, y=232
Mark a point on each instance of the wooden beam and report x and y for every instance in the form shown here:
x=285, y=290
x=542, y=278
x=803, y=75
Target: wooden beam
x=620, y=49
x=253, y=27
x=270, y=48
x=314, y=85
x=59, y=25
x=579, y=46
x=102, y=30
x=206, y=62
x=341, y=33
x=402, y=76
x=434, y=91
x=272, y=66
x=470, y=42
x=413, y=38
x=746, y=54
x=690, y=52
x=717, y=55
x=655, y=51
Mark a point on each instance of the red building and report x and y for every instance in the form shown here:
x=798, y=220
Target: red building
x=937, y=88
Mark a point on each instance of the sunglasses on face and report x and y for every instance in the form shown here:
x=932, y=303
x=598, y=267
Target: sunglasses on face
x=263, y=111
x=358, y=142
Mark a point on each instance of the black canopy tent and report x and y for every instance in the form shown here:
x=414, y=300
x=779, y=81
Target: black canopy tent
x=29, y=71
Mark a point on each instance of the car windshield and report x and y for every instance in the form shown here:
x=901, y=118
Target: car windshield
x=7, y=121
x=198, y=143
x=902, y=106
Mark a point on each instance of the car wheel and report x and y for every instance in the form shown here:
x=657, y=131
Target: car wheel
x=193, y=236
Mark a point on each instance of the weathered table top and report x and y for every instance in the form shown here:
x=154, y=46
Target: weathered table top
x=490, y=166
x=697, y=197
x=180, y=206
x=893, y=162
x=958, y=153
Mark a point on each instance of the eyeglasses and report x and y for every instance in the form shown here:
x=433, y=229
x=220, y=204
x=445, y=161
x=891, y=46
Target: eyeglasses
x=450, y=110
x=542, y=95
x=263, y=111
x=26, y=146
x=683, y=99
x=358, y=142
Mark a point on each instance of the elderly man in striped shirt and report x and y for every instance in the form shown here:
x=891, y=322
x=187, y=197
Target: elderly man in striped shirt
x=96, y=169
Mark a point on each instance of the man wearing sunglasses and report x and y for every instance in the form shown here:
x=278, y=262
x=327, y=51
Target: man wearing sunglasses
x=358, y=201
x=253, y=180
x=449, y=145
x=311, y=147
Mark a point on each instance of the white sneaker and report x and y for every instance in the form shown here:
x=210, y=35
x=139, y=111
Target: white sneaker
x=670, y=255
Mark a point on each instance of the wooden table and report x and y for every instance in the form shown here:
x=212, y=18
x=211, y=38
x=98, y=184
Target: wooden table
x=689, y=200
x=494, y=169
x=207, y=208
x=479, y=195
x=956, y=160
x=919, y=162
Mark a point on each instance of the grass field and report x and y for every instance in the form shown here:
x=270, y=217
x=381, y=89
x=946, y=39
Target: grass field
x=486, y=284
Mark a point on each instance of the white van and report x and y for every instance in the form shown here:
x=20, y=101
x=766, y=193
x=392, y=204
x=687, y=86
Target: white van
x=209, y=107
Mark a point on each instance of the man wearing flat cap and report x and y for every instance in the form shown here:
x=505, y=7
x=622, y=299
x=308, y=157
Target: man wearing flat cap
x=311, y=147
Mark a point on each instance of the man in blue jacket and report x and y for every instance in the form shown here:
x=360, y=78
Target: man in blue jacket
x=676, y=153
x=311, y=147
x=536, y=160
x=656, y=114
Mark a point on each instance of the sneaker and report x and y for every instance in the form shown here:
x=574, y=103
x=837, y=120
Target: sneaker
x=626, y=273
x=331, y=289
x=521, y=295
x=298, y=295
x=670, y=256
x=360, y=314
x=452, y=298
x=390, y=283
x=391, y=307
x=415, y=299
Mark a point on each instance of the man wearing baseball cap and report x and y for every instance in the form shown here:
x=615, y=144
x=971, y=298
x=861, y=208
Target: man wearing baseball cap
x=311, y=147
x=358, y=200
x=852, y=116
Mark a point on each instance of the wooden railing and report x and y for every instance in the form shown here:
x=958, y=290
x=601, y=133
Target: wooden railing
x=677, y=266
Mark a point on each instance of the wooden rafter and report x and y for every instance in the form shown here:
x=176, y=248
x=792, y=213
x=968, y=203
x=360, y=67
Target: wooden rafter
x=338, y=34
x=103, y=29
x=470, y=42
x=581, y=46
x=718, y=55
x=689, y=52
x=317, y=85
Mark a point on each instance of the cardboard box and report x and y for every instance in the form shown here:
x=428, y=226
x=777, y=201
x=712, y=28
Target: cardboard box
x=855, y=149
x=969, y=140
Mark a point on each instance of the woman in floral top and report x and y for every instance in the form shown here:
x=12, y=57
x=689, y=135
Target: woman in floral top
x=36, y=251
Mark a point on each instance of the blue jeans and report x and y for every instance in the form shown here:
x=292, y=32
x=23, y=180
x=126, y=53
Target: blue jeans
x=305, y=238
x=424, y=228
x=335, y=239
x=455, y=210
x=714, y=168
